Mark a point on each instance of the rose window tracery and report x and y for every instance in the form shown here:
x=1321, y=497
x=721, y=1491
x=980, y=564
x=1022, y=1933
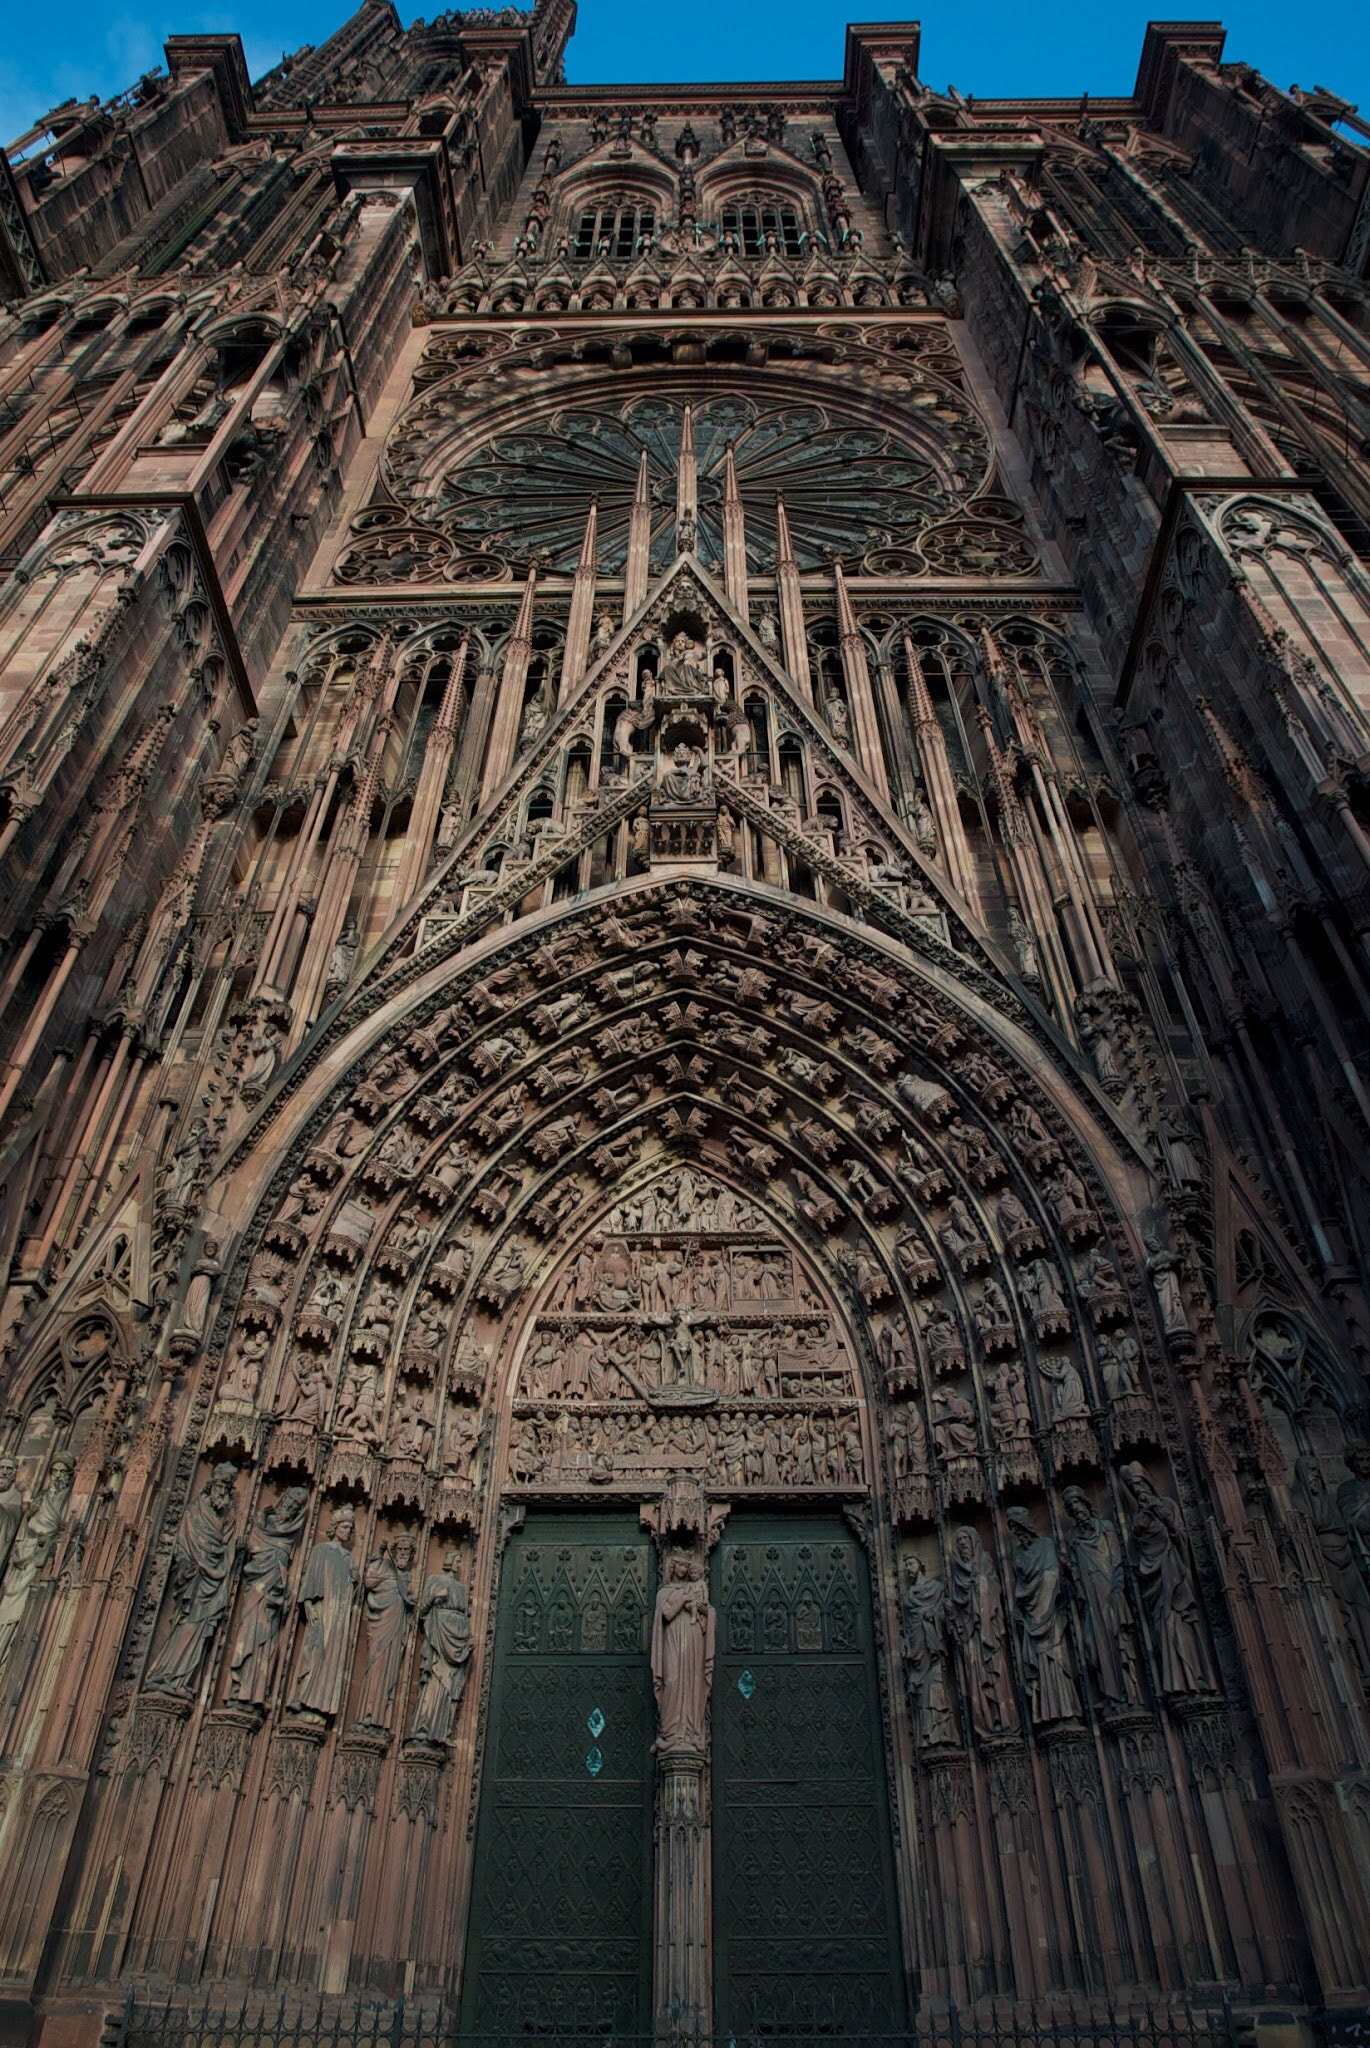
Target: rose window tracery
x=848, y=486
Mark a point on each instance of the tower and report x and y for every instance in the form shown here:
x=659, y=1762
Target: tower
x=685, y=1017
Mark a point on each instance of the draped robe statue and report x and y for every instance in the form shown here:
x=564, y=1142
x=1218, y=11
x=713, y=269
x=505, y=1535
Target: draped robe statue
x=684, y=1633
x=33, y=1547
x=389, y=1604
x=1041, y=1615
x=445, y=1664
x=326, y=1597
x=201, y=1567
x=266, y=1572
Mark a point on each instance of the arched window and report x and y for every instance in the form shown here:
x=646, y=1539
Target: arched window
x=758, y=227
x=623, y=228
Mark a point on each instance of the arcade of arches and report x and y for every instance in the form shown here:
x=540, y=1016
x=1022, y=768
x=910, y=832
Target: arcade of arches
x=685, y=1001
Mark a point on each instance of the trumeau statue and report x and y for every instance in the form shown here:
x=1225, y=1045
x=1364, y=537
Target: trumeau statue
x=684, y=1629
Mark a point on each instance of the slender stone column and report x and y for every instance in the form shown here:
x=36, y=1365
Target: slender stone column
x=581, y=613
x=683, y=1973
x=509, y=704
x=856, y=673
x=437, y=759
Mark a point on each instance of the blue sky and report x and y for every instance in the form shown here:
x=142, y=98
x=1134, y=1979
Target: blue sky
x=982, y=46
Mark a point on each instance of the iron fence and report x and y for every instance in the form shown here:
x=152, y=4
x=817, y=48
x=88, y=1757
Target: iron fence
x=335, y=2023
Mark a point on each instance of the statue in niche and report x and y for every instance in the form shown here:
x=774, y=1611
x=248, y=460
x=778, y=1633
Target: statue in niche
x=1339, y=1556
x=1163, y=1267
x=190, y=1330
x=443, y=1666
x=326, y=1597
x=684, y=674
x=839, y=720
x=684, y=1635
x=307, y=1390
x=953, y=1424
x=767, y=633
x=245, y=1365
x=977, y=1616
x=266, y=1572
x=263, y=1054
x=344, y=953
x=388, y=1602
x=186, y=1162
x=925, y=1647
x=684, y=781
x=1160, y=1556
x=1100, y=1590
x=411, y=1430
x=1042, y=1622
x=11, y=1508
x=201, y=1564
x=1025, y=946
x=32, y=1549
x=1120, y=1363
x=359, y=1404
x=1065, y=1389
x=1353, y=1498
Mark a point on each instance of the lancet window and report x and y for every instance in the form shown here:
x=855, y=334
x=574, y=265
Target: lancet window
x=617, y=231
x=759, y=227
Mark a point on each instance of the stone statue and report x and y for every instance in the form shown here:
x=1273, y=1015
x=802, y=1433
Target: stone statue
x=1100, y=1591
x=1042, y=1624
x=190, y=1330
x=266, y=1572
x=326, y=1597
x=11, y=1508
x=1353, y=1498
x=1339, y=1556
x=1025, y=946
x=263, y=1053
x=925, y=1633
x=388, y=1598
x=977, y=1618
x=1160, y=1556
x=344, y=953
x=1164, y=1270
x=446, y=1625
x=1065, y=1388
x=1120, y=1362
x=684, y=1630
x=201, y=1564
x=31, y=1551
x=683, y=781
x=767, y=634
x=185, y=1165
x=839, y=721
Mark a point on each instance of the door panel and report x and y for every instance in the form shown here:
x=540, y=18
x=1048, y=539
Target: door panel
x=561, y=1912
x=805, y=1917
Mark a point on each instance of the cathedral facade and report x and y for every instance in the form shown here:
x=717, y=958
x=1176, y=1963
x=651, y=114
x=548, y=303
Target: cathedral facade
x=684, y=1008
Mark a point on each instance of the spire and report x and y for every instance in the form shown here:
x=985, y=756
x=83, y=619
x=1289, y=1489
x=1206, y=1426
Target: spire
x=734, y=537
x=581, y=614
x=857, y=676
x=509, y=705
x=792, y=636
x=687, y=488
x=639, y=542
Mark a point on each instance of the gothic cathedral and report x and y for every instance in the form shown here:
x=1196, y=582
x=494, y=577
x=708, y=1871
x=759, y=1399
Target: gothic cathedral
x=685, y=1015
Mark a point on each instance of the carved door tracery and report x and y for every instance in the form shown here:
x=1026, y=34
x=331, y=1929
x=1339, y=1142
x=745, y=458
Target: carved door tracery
x=805, y=1915
x=560, y=1929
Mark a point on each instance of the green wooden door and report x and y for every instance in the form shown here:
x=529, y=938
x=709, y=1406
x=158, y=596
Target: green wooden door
x=805, y=1915
x=561, y=1909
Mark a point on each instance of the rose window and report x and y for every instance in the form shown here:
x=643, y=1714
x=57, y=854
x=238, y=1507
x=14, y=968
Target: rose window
x=848, y=487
